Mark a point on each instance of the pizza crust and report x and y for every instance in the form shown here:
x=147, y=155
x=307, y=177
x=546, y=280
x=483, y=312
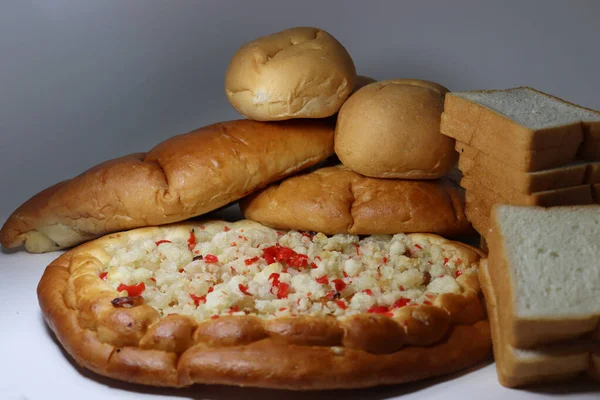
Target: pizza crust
x=136, y=345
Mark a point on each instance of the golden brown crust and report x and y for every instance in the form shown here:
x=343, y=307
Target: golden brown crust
x=296, y=73
x=184, y=176
x=132, y=344
x=337, y=200
x=391, y=129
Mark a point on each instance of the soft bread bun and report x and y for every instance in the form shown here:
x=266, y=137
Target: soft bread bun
x=296, y=73
x=391, y=129
x=337, y=200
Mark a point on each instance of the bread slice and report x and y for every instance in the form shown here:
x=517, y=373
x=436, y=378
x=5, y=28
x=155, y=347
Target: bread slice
x=595, y=193
x=494, y=173
x=479, y=221
x=546, y=272
x=589, y=150
x=592, y=174
x=519, y=118
x=521, y=160
x=549, y=363
x=580, y=194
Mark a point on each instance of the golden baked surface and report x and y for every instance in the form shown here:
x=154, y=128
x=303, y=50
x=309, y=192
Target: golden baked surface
x=241, y=304
x=184, y=176
x=338, y=200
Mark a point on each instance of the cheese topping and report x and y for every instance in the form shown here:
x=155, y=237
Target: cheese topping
x=270, y=274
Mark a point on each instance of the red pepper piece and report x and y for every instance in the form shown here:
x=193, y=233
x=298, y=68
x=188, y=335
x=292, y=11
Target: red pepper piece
x=251, y=261
x=378, y=310
x=211, y=259
x=192, y=241
x=345, y=274
x=214, y=316
x=339, y=284
x=269, y=254
x=226, y=229
x=284, y=254
x=233, y=309
x=314, y=266
x=103, y=275
x=341, y=304
x=322, y=280
x=282, y=289
x=357, y=248
x=133, y=290
x=198, y=299
x=368, y=291
x=282, y=309
x=446, y=260
x=162, y=241
x=401, y=302
x=244, y=289
x=298, y=261
x=418, y=247
x=458, y=273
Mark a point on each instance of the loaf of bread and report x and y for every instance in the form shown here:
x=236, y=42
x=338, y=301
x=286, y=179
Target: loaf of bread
x=337, y=200
x=543, y=263
x=184, y=176
x=297, y=73
x=390, y=129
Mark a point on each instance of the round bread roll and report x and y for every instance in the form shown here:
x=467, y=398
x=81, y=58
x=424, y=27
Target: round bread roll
x=391, y=129
x=336, y=200
x=296, y=73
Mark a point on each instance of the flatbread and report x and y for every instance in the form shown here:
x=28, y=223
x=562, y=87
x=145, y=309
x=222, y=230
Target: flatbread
x=258, y=307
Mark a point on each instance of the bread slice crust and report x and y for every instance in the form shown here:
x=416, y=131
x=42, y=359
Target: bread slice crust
x=301, y=353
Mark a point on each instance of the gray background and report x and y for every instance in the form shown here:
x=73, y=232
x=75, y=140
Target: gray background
x=84, y=81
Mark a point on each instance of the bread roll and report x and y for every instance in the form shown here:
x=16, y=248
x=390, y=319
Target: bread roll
x=184, y=176
x=337, y=200
x=391, y=129
x=296, y=73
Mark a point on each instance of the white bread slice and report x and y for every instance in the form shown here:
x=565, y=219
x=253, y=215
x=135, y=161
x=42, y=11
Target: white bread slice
x=580, y=194
x=491, y=172
x=546, y=272
x=520, y=119
x=521, y=160
x=549, y=363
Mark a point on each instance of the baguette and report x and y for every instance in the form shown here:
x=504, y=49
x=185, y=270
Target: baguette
x=544, y=267
x=550, y=363
x=520, y=119
x=183, y=177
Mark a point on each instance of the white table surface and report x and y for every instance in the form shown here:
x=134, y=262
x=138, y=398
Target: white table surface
x=34, y=366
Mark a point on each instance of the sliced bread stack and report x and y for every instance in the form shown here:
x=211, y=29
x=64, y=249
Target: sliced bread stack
x=524, y=147
x=542, y=284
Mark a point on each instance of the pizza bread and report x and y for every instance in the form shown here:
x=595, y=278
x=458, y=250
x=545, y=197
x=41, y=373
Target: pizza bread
x=241, y=304
x=184, y=176
x=544, y=364
x=338, y=200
